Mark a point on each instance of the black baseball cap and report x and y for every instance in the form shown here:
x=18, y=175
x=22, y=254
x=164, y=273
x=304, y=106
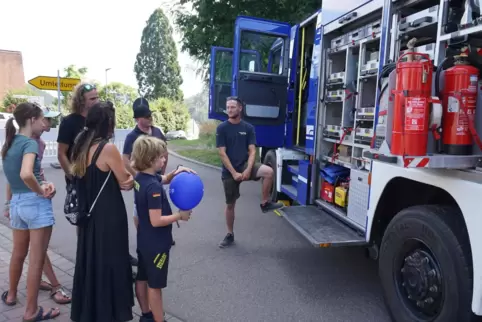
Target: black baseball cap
x=141, y=108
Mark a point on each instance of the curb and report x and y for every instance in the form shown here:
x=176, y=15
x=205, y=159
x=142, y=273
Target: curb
x=177, y=155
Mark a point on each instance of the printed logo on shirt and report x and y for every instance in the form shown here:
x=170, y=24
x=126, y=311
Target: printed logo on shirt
x=136, y=185
x=242, y=133
x=155, y=195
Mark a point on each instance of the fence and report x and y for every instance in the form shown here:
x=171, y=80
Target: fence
x=50, y=138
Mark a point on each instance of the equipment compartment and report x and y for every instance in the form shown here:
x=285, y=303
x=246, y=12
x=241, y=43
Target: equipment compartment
x=358, y=196
x=419, y=20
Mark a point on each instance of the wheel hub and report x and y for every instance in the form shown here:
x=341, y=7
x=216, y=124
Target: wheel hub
x=421, y=280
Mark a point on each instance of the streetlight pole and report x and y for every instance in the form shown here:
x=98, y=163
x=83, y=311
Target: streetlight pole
x=106, y=70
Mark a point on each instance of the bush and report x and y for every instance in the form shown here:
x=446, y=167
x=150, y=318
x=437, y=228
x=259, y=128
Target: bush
x=207, y=133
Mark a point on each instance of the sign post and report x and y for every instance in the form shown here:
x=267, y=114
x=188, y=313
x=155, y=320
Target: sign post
x=59, y=84
x=58, y=89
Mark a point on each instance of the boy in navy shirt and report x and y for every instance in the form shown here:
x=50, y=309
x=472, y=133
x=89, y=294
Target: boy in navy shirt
x=154, y=233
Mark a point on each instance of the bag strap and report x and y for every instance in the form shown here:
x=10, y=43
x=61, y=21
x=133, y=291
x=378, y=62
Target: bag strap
x=100, y=191
x=98, y=151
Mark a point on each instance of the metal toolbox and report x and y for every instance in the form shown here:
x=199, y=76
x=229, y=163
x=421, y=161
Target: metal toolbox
x=332, y=131
x=339, y=41
x=336, y=95
x=336, y=78
x=371, y=67
x=356, y=35
x=418, y=20
x=373, y=29
x=365, y=113
x=363, y=135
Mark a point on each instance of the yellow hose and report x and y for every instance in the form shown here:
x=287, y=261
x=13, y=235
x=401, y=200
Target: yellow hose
x=300, y=84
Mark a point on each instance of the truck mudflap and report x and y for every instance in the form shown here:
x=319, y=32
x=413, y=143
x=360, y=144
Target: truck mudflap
x=320, y=228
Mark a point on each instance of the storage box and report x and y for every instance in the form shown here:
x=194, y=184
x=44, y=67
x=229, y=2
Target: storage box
x=341, y=194
x=327, y=192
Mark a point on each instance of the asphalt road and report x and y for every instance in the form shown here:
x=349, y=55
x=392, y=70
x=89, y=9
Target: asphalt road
x=271, y=275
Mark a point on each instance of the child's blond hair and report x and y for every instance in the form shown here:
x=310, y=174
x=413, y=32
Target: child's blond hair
x=146, y=150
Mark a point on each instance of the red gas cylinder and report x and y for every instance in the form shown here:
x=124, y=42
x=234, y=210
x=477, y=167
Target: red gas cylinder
x=459, y=97
x=411, y=106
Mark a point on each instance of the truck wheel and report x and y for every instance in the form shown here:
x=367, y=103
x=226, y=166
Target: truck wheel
x=270, y=160
x=425, y=266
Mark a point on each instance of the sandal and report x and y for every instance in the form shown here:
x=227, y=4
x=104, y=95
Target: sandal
x=45, y=286
x=41, y=317
x=59, y=290
x=4, y=299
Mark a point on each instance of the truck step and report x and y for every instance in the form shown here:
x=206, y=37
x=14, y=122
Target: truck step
x=320, y=228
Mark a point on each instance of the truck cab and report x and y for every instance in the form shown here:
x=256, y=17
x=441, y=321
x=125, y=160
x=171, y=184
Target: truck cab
x=322, y=102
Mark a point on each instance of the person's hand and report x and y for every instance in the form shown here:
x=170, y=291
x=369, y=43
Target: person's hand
x=238, y=176
x=6, y=212
x=185, y=214
x=246, y=174
x=184, y=169
x=128, y=184
x=48, y=190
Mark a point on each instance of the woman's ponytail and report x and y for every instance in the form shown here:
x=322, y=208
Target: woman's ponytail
x=80, y=152
x=10, y=132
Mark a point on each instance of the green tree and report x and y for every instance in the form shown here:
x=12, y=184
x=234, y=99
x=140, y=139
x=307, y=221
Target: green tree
x=118, y=93
x=169, y=115
x=9, y=101
x=211, y=22
x=157, y=68
x=70, y=71
x=197, y=105
x=122, y=96
x=124, y=117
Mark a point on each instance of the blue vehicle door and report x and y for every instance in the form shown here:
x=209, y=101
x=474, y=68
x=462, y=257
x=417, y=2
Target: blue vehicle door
x=264, y=91
x=220, y=78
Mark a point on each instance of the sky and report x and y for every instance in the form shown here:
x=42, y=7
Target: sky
x=97, y=34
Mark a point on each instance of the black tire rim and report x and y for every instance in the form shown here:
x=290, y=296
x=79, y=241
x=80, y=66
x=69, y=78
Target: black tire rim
x=418, y=280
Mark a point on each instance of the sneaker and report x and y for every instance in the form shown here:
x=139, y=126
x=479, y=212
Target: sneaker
x=134, y=261
x=227, y=241
x=144, y=319
x=271, y=206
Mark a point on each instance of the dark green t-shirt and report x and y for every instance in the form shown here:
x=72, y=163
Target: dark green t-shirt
x=12, y=164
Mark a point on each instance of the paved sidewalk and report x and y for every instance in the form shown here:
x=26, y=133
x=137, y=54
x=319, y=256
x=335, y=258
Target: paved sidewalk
x=64, y=269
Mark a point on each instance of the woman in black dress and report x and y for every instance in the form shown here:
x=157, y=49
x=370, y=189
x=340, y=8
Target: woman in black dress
x=102, y=290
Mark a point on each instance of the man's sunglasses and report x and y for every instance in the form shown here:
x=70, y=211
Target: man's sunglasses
x=87, y=88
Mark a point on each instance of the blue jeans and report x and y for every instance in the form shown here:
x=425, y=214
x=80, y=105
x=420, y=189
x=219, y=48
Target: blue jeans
x=28, y=211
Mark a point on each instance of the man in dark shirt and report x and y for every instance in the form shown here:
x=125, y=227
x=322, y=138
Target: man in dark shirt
x=236, y=141
x=85, y=96
x=143, y=117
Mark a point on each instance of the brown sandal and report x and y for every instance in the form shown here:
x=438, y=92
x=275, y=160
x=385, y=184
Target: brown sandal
x=59, y=290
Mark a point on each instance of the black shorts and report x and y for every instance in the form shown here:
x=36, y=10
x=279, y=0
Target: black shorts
x=231, y=186
x=153, y=267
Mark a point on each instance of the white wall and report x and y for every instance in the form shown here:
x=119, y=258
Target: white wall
x=50, y=138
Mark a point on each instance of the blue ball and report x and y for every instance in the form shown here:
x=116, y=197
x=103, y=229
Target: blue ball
x=186, y=190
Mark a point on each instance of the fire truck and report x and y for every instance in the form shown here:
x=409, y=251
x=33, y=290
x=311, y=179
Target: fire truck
x=370, y=122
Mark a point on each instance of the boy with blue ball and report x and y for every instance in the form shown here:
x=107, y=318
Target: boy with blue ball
x=154, y=234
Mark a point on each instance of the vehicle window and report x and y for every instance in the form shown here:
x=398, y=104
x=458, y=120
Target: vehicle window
x=269, y=49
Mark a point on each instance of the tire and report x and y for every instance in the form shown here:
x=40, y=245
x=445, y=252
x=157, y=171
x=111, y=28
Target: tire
x=270, y=160
x=438, y=235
